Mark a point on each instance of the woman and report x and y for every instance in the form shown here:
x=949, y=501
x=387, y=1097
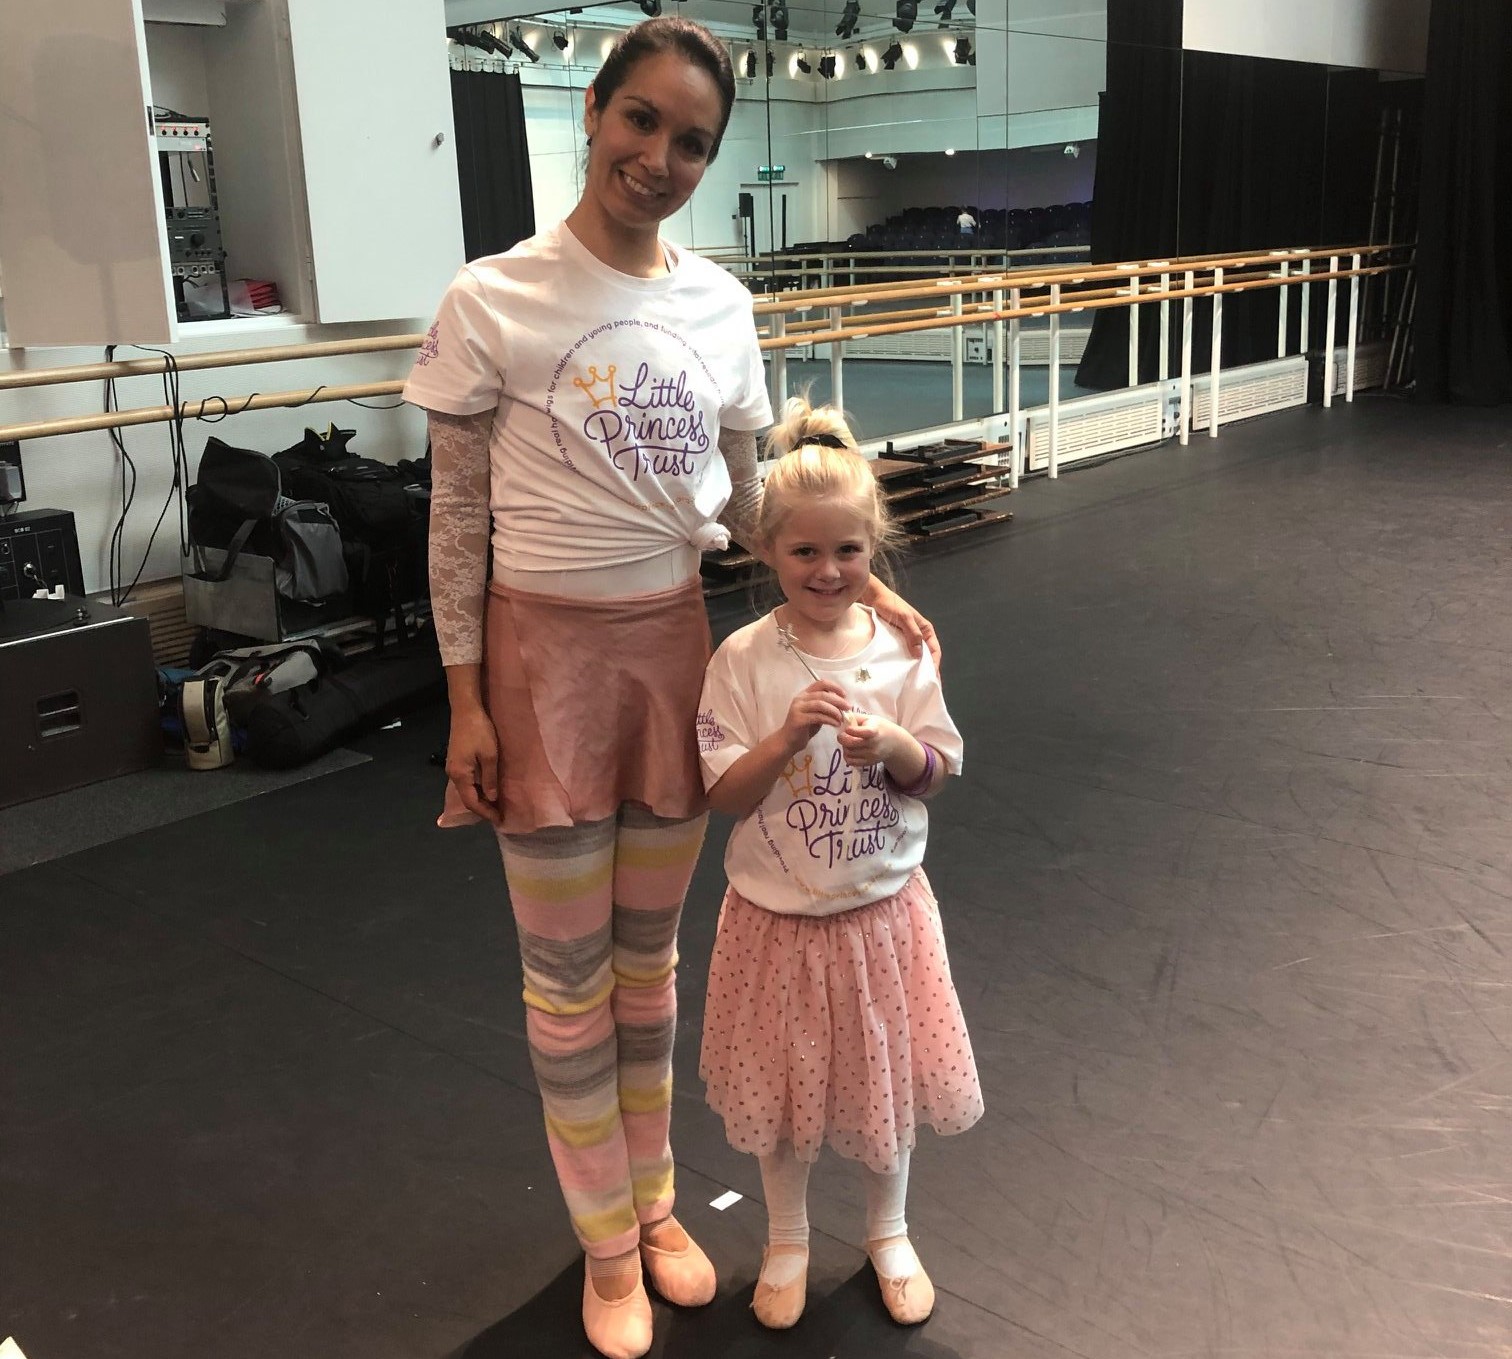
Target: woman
x=594, y=396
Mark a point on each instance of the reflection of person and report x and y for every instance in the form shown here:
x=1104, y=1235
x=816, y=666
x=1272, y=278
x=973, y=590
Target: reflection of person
x=831, y=1017
x=593, y=398
x=966, y=223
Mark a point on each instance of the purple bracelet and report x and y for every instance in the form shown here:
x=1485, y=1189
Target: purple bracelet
x=923, y=783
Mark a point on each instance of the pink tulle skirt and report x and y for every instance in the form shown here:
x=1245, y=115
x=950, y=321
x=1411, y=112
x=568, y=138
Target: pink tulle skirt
x=842, y=1029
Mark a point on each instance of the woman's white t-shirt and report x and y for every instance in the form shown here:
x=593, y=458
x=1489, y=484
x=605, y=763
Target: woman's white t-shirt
x=827, y=837
x=610, y=392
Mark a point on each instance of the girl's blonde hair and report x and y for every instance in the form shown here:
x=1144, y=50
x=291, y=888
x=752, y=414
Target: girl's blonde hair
x=811, y=467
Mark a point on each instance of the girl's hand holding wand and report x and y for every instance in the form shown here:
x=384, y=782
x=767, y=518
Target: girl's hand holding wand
x=822, y=704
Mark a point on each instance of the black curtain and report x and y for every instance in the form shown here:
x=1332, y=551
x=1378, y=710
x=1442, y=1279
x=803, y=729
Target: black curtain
x=1463, y=330
x=1135, y=195
x=1203, y=152
x=493, y=161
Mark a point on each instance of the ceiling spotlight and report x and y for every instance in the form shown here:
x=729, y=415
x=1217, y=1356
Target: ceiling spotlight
x=945, y=9
x=518, y=39
x=860, y=60
x=850, y=16
x=971, y=5
x=963, y=53
x=758, y=17
x=908, y=11
x=891, y=55
x=801, y=61
x=560, y=39
x=650, y=8
x=750, y=64
x=771, y=63
x=780, y=19
x=827, y=67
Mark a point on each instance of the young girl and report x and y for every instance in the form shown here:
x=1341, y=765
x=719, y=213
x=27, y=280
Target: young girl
x=831, y=1017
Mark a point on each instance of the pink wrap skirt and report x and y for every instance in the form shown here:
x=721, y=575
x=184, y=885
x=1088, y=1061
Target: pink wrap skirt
x=595, y=702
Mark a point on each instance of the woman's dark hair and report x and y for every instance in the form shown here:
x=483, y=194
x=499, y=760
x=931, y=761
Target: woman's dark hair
x=668, y=33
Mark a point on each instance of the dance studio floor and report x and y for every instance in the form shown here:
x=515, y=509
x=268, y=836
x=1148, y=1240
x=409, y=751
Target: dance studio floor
x=1228, y=891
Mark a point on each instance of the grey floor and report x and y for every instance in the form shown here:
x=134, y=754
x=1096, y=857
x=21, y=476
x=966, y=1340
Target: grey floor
x=1228, y=891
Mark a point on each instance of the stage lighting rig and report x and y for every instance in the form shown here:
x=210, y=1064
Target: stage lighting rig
x=850, y=16
x=520, y=45
x=771, y=63
x=860, y=60
x=650, y=8
x=780, y=19
x=827, y=66
x=559, y=38
x=802, y=63
x=964, y=56
x=891, y=55
x=908, y=12
x=758, y=18
x=750, y=64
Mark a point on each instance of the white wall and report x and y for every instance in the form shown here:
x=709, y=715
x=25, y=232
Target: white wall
x=1388, y=35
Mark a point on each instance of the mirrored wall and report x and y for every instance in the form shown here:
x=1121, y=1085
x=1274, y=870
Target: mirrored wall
x=873, y=139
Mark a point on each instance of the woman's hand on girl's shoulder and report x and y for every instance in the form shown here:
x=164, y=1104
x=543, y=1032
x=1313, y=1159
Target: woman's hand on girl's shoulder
x=917, y=630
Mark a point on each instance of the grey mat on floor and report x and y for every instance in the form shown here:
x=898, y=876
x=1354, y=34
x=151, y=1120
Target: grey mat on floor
x=50, y=827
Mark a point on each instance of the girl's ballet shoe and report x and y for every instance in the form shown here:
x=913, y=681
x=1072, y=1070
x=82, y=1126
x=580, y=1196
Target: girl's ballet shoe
x=779, y=1306
x=683, y=1277
x=908, y=1300
x=618, y=1328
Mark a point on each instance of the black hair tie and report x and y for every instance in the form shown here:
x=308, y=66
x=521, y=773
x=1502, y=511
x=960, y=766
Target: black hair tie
x=824, y=440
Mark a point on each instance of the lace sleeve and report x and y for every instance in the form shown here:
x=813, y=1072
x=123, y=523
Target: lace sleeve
x=741, y=515
x=459, y=532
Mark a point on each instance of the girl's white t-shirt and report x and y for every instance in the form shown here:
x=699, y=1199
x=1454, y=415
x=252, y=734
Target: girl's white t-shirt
x=827, y=837
x=610, y=392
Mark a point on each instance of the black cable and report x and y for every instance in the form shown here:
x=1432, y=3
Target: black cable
x=128, y=489
x=179, y=454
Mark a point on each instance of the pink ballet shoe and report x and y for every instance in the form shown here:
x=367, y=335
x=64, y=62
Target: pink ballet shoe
x=779, y=1306
x=683, y=1277
x=908, y=1300
x=618, y=1328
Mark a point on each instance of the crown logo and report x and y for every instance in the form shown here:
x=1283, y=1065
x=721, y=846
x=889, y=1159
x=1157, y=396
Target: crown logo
x=589, y=387
x=799, y=775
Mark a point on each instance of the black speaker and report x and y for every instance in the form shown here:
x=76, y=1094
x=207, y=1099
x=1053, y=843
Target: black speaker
x=747, y=205
x=78, y=696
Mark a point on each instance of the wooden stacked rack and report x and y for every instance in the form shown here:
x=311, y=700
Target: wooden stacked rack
x=934, y=491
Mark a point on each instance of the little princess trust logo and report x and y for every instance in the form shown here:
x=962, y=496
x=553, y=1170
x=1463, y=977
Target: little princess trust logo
x=637, y=413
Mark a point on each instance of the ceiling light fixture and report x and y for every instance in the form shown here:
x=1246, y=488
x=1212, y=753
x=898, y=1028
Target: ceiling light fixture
x=518, y=39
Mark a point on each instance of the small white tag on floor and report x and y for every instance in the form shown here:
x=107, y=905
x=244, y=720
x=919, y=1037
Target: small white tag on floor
x=10, y=1350
x=725, y=1200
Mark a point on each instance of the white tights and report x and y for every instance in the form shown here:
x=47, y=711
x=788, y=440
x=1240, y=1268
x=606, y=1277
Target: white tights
x=784, y=1178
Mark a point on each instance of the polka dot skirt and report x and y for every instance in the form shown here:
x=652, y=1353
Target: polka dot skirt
x=841, y=1029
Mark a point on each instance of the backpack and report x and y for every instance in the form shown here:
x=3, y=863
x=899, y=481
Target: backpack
x=237, y=503
x=383, y=512
x=207, y=725
x=248, y=673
